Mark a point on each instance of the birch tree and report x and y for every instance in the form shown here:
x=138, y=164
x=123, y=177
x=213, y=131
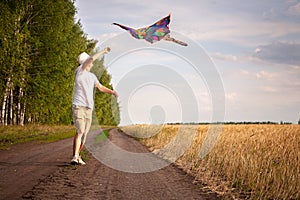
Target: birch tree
x=39, y=44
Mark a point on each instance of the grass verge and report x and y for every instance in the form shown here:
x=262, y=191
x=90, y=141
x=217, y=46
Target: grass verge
x=10, y=135
x=103, y=136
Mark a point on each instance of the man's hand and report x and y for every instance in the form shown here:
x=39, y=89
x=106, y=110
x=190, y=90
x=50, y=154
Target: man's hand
x=106, y=50
x=115, y=93
x=98, y=54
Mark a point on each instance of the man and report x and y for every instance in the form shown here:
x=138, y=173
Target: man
x=83, y=100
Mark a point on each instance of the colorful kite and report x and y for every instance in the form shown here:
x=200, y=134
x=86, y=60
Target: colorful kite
x=155, y=32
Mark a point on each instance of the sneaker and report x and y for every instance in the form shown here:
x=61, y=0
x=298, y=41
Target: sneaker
x=80, y=161
x=74, y=160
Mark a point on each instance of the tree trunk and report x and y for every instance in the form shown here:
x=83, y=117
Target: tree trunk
x=5, y=104
x=3, y=112
x=21, y=108
x=11, y=107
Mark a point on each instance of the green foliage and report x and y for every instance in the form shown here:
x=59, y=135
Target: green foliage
x=106, y=106
x=39, y=44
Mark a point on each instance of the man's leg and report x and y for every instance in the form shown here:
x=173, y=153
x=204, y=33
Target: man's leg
x=88, y=122
x=77, y=144
x=79, y=118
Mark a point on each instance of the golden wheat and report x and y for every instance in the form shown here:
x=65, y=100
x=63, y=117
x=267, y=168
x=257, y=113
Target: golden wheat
x=261, y=161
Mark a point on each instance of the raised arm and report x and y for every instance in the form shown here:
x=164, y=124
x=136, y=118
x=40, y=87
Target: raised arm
x=94, y=57
x=98, y=54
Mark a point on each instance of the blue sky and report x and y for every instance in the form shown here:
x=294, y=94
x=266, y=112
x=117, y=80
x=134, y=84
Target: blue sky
x=253, y=45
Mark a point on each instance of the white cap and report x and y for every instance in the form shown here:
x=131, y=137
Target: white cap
x=82, y=58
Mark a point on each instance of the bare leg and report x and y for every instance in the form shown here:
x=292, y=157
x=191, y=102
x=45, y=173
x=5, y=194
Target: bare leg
x=83, y=124
x=88, y=122
x=76, y=144
x=81, y=146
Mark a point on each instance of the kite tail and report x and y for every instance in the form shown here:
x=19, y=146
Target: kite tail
x=179, y=42
x=122, y=26
x=168, y=38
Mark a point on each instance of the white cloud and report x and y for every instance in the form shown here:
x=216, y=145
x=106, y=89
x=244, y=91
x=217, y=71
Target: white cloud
x=235, y=58
x=241, y=36
x=244, y=72
x=295, y=9
x=242, y=31
x=266, y=75
x=224, y=56
x=195, y=19
x=291, y=1
x=257, y=50
x=279, y=52
x=268, y=89
x=231, y=97
x=106, y=36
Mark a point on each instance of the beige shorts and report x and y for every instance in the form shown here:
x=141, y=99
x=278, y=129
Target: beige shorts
x=83, y=120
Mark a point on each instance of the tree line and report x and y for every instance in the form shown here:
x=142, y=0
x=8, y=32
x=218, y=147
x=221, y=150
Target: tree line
x=39, y=44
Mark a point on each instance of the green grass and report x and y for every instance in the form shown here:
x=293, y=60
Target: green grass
x=10, y=135
x=103, y=136
x=84, y=155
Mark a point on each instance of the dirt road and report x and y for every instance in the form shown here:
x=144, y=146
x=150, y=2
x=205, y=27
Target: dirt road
x=41, y=171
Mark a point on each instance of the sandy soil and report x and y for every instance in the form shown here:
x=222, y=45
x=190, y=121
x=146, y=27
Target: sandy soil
x=42, y=171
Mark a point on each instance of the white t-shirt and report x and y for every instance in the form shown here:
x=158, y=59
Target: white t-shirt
x=85, y=82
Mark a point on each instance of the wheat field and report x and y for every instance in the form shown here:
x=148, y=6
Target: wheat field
x=246, y=161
